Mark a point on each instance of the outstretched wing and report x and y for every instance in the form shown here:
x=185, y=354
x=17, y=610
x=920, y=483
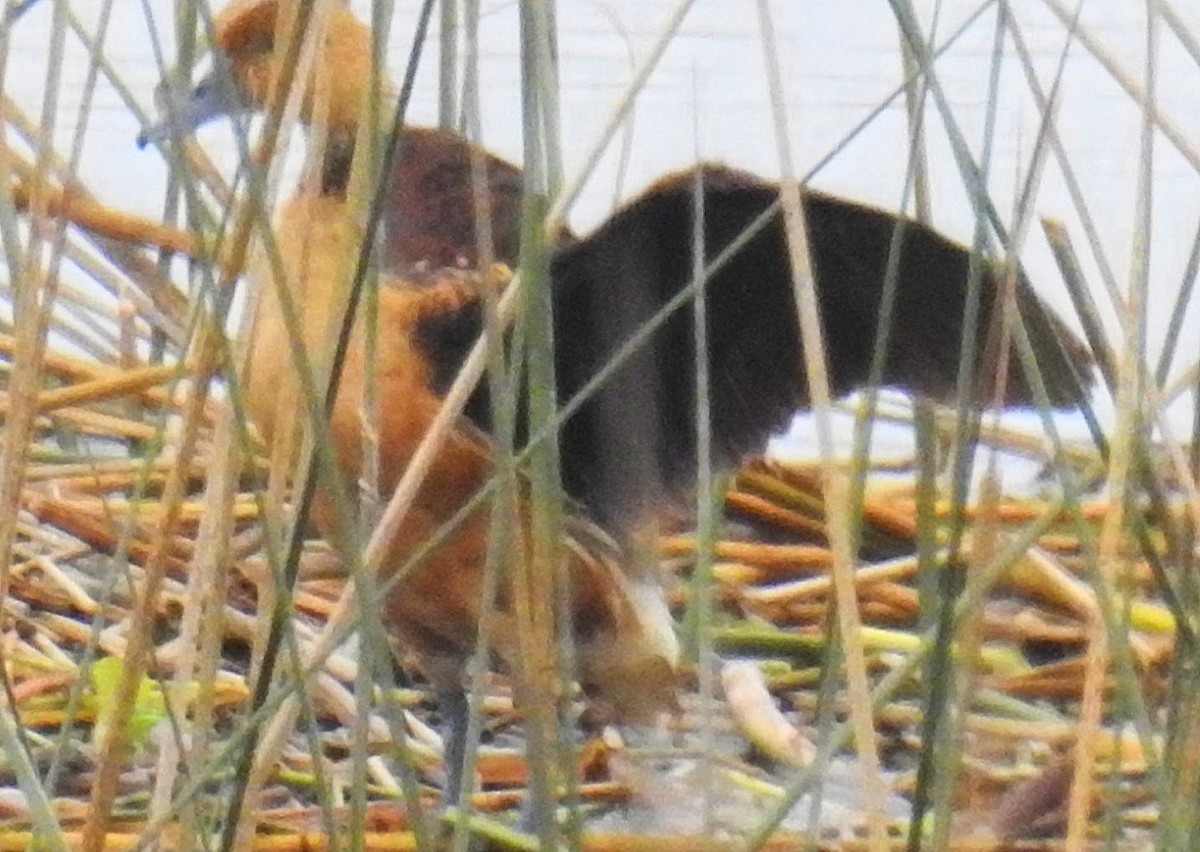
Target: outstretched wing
x=633, y=441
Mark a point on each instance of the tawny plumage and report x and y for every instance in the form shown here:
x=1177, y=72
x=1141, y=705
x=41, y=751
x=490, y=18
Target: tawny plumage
x=633, y=445
x=626, y=648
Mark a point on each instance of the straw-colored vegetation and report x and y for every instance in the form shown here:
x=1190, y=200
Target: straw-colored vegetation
x=1024, y=670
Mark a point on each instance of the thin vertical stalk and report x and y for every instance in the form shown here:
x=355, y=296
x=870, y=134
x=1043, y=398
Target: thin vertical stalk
x=914, y=107
x=701, y=599
x=942, y=751
x=36, y=289
x=569, y=192
x=448, y=63
x=503, y=553
x=836, y=488
x=1183, y=298
x=203, y=617
x=540, y=595
x=10, y=236
x=916, y=98
x=1110, y=564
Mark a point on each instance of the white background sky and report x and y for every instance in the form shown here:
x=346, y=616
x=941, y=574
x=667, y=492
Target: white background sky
x=708, y=99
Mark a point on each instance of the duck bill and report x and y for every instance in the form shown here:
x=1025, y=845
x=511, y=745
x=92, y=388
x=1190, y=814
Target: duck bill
x=183, y=111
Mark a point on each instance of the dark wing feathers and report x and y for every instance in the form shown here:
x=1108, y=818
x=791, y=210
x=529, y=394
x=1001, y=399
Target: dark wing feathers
x=635, y=440
x=637, y=437
x=850, y=245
